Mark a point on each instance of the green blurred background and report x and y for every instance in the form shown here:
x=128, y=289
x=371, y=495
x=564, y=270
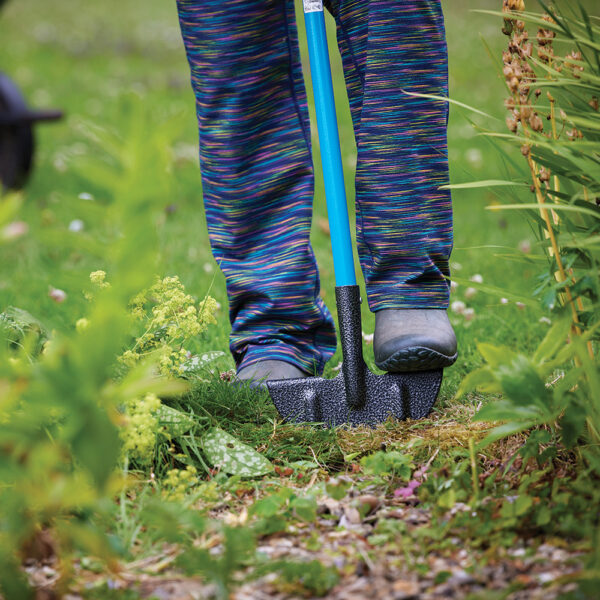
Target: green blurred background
x=98, y=61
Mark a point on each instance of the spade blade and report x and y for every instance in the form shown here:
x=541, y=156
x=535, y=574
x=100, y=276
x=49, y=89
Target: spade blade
x=319, y=400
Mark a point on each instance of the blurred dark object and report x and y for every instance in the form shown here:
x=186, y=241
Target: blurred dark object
x=17, y=140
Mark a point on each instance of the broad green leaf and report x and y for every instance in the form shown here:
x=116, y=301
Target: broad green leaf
x=267, y=507
x=522, y=383
x=176, y=422
x=478, y=379
x=554, y=340
x=503, y=431
x=543, y=516
x=447, y=499
x=517, y=508
x=199, y=361
x=338, y=489
x=505, y=410
x=232, y=456
x=572, y=424
x=305, y=508
x=496, y=355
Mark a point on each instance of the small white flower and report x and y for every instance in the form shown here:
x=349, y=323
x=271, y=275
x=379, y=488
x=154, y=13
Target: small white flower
x=477, y=278
x=474, y=156
x=503, y=300
x=76, y=225
x=525, y=246
x=453, y=286
x=469, y=314
x=545, y=320
x=458, y=307
x=57, y=295
x=455, y=266
x=60, y=164
x=208, y=268
x=368, y=337
x=14, y=230
x=470, y=292
x=520, y=305
x=85, y=196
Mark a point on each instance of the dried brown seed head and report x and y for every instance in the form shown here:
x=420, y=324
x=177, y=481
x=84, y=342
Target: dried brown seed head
x=573, y=62
x=535, y=122
x=512, y=124
x=518, y=5
x=545, y=37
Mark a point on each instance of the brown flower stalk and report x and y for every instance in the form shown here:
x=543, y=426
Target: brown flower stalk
x=520, y=76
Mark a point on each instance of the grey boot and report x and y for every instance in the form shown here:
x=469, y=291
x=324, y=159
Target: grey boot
x=411, y=339
x=265, y=370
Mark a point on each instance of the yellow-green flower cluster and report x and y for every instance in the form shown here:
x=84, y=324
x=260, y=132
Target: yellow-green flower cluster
x=141, y=426
x=170, y=318
x=82, y=324
x=178, y=482
x=98, y=278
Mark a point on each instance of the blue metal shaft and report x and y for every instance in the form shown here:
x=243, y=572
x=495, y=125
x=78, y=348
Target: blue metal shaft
x=333, y=172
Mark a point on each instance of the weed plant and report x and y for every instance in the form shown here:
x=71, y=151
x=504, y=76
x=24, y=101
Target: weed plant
x=554, y=85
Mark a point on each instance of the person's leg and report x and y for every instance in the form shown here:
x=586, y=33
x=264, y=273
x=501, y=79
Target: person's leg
x=257, y=177
x=404, y=221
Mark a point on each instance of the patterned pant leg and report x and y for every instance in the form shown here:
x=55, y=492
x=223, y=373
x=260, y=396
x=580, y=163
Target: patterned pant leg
x=257, y=177
x=404, y=221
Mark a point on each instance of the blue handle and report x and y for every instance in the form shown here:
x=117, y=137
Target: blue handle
x=333, y=173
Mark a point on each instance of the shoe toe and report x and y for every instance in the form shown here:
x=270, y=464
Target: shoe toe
x=257, y=374
x=415, y=353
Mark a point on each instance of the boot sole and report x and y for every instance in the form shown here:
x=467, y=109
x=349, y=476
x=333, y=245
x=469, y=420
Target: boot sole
x=416, y=358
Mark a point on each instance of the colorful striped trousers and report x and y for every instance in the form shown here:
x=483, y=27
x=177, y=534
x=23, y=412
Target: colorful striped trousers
x=257, y=173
